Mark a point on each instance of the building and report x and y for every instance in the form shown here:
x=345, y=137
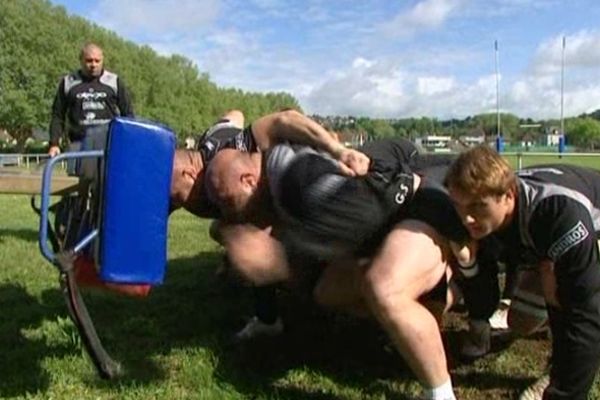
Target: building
x=434, y=143
x=551, y=138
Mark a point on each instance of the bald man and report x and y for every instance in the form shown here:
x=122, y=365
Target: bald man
x=89, y=97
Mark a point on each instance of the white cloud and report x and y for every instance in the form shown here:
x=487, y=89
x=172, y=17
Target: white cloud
x=430, y=85
x=538, y=91
x=582, y=49
x=540, y=97
x=361, y=63
x=158, y=17
x=425, y=15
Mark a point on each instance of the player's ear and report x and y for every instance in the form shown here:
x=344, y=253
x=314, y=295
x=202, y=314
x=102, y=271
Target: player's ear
x=249, y=181
x=511, y=193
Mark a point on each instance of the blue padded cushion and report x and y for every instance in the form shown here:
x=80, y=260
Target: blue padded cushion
x=135, y=202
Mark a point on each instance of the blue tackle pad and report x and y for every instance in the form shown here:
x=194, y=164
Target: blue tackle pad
x=135, y=202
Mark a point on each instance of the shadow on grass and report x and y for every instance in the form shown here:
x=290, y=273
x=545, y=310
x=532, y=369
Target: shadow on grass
x=29, y=235
x=21, y=356
x=194, y=309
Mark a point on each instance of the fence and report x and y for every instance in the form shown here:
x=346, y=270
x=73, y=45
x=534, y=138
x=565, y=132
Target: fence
x=26, y=161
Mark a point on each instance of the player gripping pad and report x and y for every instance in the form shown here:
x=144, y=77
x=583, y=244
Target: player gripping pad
x=135, y=202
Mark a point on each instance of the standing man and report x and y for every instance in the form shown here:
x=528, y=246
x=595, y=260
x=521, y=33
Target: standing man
x=88, y=98
x=549, y=217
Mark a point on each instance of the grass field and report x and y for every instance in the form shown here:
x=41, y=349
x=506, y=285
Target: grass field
x=175, y=344
x=568, y=158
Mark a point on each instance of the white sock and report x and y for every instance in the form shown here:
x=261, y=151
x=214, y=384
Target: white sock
x=442, y=392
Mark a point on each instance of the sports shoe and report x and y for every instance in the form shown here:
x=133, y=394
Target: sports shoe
x=256, y=328
x=536, y=390
x=476, y=342
x=499, y=320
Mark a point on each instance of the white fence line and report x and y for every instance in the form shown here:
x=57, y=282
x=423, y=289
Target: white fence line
x=22, y=159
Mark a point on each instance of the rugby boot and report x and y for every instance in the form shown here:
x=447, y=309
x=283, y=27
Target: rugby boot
x=476, y=342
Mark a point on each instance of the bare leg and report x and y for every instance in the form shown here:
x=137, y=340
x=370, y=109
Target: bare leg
x=254, y=254
x=339, y=287
x=410, y=264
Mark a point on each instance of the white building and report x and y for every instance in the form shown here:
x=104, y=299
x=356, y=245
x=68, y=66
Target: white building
x=551, y=139
x=434, y=143
x=471, y=140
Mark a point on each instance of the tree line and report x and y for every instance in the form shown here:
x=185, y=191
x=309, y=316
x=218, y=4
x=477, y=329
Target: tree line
x=582, y=131
x=40, y=42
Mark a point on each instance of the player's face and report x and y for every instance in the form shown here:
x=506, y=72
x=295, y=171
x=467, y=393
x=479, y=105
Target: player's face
x=236, y=204
x=92, y=61
x=482, y=215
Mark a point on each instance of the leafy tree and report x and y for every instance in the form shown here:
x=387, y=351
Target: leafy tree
x=583, y=132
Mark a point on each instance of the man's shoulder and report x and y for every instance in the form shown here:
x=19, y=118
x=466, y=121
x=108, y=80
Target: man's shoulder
x=109, y=79
x=70, y=80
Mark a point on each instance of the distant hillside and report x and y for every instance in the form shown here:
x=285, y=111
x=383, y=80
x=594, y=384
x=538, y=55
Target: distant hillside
x=40, y=42
x=595, y=114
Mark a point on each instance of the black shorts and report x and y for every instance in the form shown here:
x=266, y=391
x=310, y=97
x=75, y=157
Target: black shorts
x=432, y=205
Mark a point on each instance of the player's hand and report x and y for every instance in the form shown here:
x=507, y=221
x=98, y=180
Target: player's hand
x=353, y=162
x=53, y=151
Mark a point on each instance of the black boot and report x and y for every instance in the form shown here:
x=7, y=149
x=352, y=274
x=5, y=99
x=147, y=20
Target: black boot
x=476, y=342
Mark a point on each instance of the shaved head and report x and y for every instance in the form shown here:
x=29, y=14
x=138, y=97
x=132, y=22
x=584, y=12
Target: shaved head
x=186, y=179
x=232, y=180
x=92, y=60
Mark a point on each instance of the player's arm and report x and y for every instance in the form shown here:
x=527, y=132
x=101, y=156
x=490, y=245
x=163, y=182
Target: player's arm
x=563, y=232
x=295, y=127
x=59, y=111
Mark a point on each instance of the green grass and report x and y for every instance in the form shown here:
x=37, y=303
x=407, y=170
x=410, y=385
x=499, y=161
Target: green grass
x=175, y=343
x=568, y=158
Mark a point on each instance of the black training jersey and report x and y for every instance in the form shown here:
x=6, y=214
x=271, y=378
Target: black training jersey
x=87, y=102
x=225, y=135
x=558, y=217
x=329, y=214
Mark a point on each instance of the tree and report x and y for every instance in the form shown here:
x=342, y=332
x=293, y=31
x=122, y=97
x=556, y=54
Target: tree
x=583, y=132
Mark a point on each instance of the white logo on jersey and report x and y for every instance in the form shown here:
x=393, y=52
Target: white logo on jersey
x=401, y=195
x=574, y=236
x=91, y=95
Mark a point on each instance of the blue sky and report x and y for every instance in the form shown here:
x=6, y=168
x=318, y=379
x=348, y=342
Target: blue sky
x=379, y=58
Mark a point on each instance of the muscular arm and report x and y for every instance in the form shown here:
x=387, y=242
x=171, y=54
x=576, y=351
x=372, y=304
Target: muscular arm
x=59, y=110
x=298, y=128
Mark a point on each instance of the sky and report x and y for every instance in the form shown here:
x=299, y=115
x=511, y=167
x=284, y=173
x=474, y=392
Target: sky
x=377, y=58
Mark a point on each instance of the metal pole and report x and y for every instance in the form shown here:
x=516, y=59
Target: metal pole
x=562, y=87
x=497, y=92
